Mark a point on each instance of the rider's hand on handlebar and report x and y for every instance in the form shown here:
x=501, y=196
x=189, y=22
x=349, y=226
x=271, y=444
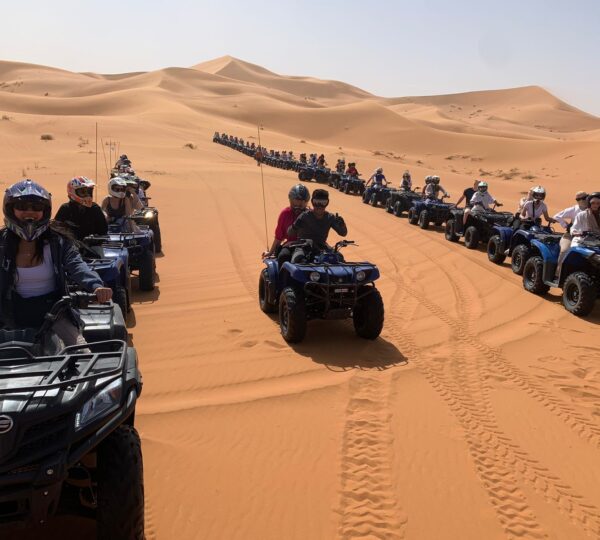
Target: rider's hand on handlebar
x=103, y=294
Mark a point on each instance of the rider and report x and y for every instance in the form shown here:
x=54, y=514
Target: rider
x=81, y=214
x=480, y=201
x=117, y=205
x=340, y=166
x=536, y=208
x=352, y=171
x=378, y=179
x=432, y=188
x=406, y=184
x=467, y=194
x=298, y=197
x=35, y=261
x=587, y=220
x=321, y=161
x=570, y=212
x=314, y=225
x=123, y=161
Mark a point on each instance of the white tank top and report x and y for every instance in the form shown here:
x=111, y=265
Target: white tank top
x=37, y=280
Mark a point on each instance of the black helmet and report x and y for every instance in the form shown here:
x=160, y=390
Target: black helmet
x=124, y=156
x=27, y=191
x=594, y=195
x=299, y=191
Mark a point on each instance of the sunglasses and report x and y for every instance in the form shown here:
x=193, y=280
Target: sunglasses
x=320, y=202
x=29, y=206
x=84, y=192
x=580, y=198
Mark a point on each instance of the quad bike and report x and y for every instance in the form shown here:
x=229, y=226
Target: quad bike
x=325, y=287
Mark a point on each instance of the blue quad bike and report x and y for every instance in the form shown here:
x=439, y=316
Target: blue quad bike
x=351, y=184
x=376, y=196
x=423, y=212
x=140, y=247
x=506, y=241
x=578, y=276
x=110, y=260
x=327, y=287
x=401, y=200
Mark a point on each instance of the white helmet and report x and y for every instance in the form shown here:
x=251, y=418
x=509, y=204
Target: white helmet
x=117, y=187
x=428, y=179
x=435, y=179
x=538, y=193
x=482, y=186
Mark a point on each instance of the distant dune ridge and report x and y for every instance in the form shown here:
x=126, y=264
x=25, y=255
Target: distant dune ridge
x=475, y=415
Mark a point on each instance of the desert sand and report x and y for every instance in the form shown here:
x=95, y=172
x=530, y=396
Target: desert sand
x=476, y=415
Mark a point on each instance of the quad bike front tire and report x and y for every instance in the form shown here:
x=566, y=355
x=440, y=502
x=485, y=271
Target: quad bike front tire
x=263, y=294
x=579, y=294
x=424, y=219
x=292, y=315
x=449, y=233
x=519, y=257
x=347, y=189
x=471, y=237
x=413, y=217
x=120, y=298
x=533, y=276
x=495, y=250
x=120, y=477
x=155, y=228
x=389, y=207
x=365, y=199
x=373, y=200
x=147, y=270
x=398, y=209
x=368, y=315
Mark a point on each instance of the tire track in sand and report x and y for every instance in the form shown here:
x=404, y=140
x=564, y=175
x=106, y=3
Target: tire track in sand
x=369, y=506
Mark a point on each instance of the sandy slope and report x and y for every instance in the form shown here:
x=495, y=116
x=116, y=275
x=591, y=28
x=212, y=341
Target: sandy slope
x=475, y=415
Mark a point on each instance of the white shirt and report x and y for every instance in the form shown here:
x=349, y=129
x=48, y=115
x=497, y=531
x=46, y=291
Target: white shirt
x=567, y=214
x=37, y=280
x=585, y=222
x=482, y=200
x=534, y=211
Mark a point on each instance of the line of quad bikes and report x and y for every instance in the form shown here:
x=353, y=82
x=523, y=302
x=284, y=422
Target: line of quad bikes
x=330, y=288
x=68, y=445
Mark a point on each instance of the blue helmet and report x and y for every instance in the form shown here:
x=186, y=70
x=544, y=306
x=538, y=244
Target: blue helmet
x=27, y=191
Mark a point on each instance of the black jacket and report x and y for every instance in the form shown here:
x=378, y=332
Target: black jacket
x=83, y=221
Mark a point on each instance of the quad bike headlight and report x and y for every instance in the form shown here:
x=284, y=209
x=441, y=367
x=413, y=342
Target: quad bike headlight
x=101, y=404
x=314, y=276
x=149, y=214
x=361, y=275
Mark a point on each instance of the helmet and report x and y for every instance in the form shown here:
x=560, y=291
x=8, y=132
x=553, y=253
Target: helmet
x=320, y=197
x=80, y=189
x=124, y=156
x=539, y=193
x=299, y=191
x=482, y=186
x=120, y=184
x=406, y=174
x=27, y=191
x=428, y=179
x=379, y=170
x=435, y=179
x=593, y=195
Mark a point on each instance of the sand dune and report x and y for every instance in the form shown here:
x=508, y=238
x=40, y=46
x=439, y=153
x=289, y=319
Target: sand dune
x=475, y=415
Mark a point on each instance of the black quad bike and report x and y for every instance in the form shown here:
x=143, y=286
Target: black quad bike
x=67, y=439
x=401, y=201
x=480, y=226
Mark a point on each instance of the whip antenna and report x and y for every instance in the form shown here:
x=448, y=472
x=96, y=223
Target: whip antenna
x=262, y=179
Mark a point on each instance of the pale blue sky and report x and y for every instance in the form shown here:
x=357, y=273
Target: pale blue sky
x=391, y=48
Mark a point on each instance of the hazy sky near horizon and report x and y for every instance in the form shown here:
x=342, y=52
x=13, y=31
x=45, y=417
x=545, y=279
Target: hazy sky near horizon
x=390, y=48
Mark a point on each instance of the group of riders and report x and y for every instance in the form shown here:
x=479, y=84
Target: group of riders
x=39, y=256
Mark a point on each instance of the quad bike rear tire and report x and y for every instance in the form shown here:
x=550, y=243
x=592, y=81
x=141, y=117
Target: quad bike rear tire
x=389, y=207
x=368, y=315
x=495, y=250
x=263, y=294
x=365, y=199
x=292, y=315
x=533, y=276
x=347, y=189
x=413, y=217
x=120, y=477
x=519, y=257
x=471, y=237
x=424, y=219
x=449, y=233
x=147, y=275
x=579, y=294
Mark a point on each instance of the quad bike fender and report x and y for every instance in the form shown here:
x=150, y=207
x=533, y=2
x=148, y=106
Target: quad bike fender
x=505, y=233
x=580, y=259
x=519, y=237
x=548, y=252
